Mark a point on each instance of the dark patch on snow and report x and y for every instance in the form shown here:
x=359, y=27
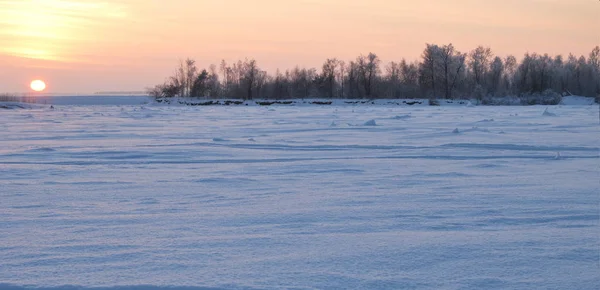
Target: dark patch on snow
x=321, y=103
x=370, y=123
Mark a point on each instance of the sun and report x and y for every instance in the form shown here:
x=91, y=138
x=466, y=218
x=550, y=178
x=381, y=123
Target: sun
x=38, y=85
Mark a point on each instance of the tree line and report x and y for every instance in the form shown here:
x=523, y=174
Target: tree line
x=441, y=72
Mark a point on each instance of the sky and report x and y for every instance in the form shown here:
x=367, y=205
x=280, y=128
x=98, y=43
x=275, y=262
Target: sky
x=86, y=46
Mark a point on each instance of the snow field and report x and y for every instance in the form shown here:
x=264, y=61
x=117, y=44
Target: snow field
x=324, y=197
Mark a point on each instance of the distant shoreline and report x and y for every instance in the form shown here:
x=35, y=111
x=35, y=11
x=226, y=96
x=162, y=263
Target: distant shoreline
x=79, y=99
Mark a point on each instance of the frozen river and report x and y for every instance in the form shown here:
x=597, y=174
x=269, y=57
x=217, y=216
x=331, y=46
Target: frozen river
x=370, y=197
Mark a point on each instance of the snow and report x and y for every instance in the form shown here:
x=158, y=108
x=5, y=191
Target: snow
x=577, y=101
x=548, y=113
x=15, y=105
x=403, y=117
x=241, y=197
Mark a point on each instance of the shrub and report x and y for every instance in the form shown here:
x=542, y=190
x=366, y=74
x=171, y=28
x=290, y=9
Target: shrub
x=548, y=97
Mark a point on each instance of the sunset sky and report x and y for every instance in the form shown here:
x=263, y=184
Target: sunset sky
x=84, y=46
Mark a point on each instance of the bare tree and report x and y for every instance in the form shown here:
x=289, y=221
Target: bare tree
x=185, y=76
x=442, y=71
x=368, y=67
x=428, y=69
x=353, y=80
x=328, y=75
x=393, y=79
x=278, y=85
x=251, y=74
x=409, y=75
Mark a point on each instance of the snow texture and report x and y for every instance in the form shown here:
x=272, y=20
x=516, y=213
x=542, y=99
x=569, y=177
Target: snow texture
x=548, y=113
x=132, y=197
x=577, y=101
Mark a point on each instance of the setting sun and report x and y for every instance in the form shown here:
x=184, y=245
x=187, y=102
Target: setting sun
x=38, y=85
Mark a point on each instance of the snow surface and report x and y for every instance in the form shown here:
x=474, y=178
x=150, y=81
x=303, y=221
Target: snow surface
x=577, y=101
x=300, y=197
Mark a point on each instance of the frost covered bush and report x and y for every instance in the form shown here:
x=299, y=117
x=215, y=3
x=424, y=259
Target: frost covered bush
x=548, y=97
x=501, y=101
x=479, y=94
x=434, y=102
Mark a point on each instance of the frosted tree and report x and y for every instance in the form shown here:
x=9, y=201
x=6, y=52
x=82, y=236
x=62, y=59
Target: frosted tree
x=594, y=59
x=479, y=62
x=510, y=69
x=409, y=75
x=392, y=79
x=523, y=73
x=341, y=78
x=401, y=79
x=451, y=65
x=328, y=76
x=428, y=69
x=594, y=63
x=495, y=76
x=544, y=73
x=581, y=75
x=559, y=77
x=534, y=73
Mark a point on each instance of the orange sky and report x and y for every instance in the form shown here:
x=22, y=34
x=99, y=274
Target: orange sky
x=84, y=46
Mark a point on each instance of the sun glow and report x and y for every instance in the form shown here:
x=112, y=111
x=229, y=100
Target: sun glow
x=38, y=85
x=53, y=30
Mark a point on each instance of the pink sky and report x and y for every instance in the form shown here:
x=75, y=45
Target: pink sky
x=84, y=46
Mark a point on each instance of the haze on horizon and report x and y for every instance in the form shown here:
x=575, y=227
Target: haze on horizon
x=89, y=45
